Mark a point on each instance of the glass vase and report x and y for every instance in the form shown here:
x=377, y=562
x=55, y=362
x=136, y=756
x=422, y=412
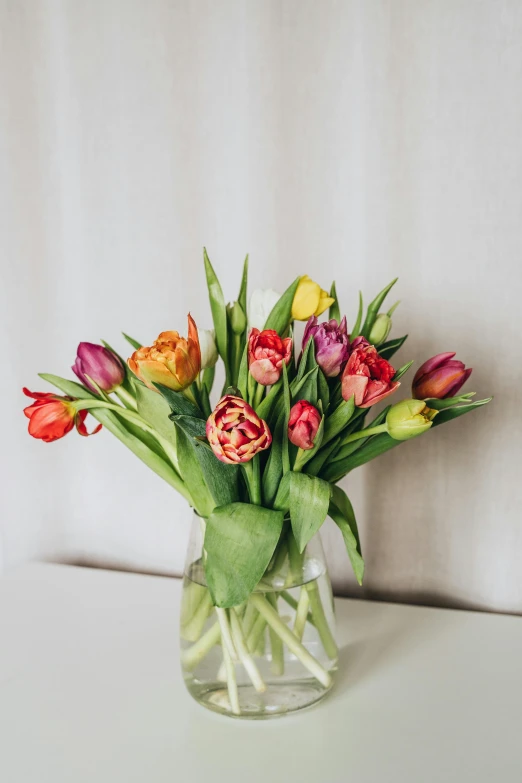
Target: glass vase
x=272, y=655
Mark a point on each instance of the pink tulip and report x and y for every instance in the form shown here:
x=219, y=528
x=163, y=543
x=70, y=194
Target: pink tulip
x=441, y=376
x=266, y=354
x=367, y=376
x=303, y=424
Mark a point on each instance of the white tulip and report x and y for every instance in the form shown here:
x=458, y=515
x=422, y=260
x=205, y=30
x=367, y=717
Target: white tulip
x=207, y=344
x=260, y=306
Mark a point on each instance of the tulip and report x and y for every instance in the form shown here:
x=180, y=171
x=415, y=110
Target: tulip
x=207, y=346
x=51, y=416
x=100, y=365
x=409, y=418
x=439, y=377
x=367, y=376
x=303, y=423
x=171, y=360
x=332, y=345
x=261, y=304
x=266, y=354
x=236, y=317
x=309, y=299
x=235, y=432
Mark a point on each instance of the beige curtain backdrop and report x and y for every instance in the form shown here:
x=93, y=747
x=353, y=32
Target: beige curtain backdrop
x=347, y=140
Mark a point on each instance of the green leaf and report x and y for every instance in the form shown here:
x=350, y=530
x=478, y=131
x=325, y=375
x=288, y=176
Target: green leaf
x=221, y=479
x=138, y=441
x=309, y=500
x=453, y=413
x=307, y=361
x=240, y=540
x=306, y=389
x=218, y=308
x=323, y=390
x=281, y=314
x=191, y=469
x=208, y=378
x=156, y=411
x=266, y=406
x=339, y=419
x=243, y=374
x=274, y=467
x=178, y=402
x=313, y=468
x=374, y=307
x=373, y=447
x=242, y=296
x=356, y=329
x=286, y=403
x=341, y=511
x=135, y=344
x=334, y=308
x=402, y=371
x=387, y=350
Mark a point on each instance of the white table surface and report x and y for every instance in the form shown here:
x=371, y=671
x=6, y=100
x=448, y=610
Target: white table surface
x=90, y=690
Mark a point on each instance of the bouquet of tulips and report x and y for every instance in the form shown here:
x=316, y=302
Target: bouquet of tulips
x=261, y=466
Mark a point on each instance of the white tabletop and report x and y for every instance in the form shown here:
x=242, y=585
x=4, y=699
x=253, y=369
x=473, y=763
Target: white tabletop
x=90, y=690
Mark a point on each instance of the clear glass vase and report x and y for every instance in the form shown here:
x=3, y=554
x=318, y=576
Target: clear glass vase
x=272, y=655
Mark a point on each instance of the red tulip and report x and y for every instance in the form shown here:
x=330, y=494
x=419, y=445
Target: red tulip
x=235, y=432
x=266, y=354
x=367, y=376
x=303, y=424
x=439, y=377
x=51, y=416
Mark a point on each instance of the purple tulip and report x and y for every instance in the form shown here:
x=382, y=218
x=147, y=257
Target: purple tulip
x=332, y=345
x=100, y=364
x=439, y=377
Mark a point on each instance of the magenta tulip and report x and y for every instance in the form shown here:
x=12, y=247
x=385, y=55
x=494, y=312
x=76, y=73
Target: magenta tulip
x=441, y=376
x=332, y=345
x=100, y=364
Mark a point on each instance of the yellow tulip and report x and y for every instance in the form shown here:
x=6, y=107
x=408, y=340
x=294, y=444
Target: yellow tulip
x=309, y=299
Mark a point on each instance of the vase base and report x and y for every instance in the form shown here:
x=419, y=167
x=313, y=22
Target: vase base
x=278, y=700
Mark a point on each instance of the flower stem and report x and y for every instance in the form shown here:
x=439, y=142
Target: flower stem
x=244, y=656
x=256, y=633
x=126, y=398
x=293, y=604
x=231, y=681
x=191, y=631
x=226, y=633
x=321, y=623
x=293, y=644
x=195, y=654
x=301, y=614
x=278, y=656
x=365, y=433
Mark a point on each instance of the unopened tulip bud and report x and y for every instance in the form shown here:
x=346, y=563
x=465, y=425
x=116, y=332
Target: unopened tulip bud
x=236, y=317
x=303, y=424
x=380, y=329
x=440, y=377
x=100, y=365
x=409, y=418
x=207, y=346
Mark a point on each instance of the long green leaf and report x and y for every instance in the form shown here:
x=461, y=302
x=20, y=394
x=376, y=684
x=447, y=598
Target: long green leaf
x=314, y=467
x=286, y=403
x=453, y=413
x=387, y=350
x=339, y=419
x=335, y=311
x=309, y=500
x=281, y=315
x=374, y=307
x=402, y=371
x=242, y=296
x=156, y=411
x=341, y=511
x=218, y=308
x=190, y=467
x=356, y=328
x=240, y=540
x=178, y=402
x=135, y=344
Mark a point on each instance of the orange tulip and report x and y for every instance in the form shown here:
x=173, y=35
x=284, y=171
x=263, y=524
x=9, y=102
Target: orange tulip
x=171, y=360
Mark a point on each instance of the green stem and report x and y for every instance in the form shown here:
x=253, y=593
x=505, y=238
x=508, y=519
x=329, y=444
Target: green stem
x=293, y=644
x=278, y=657
x=258, y=396
x=252, y=475
x=256, y=633
x=231, y=681
x=226, y=633
x=301, y=614
x=243, y=653
x=365, y=433
x=321, y=623
x=293, y=604
x=194, y=655
x=127, y=398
